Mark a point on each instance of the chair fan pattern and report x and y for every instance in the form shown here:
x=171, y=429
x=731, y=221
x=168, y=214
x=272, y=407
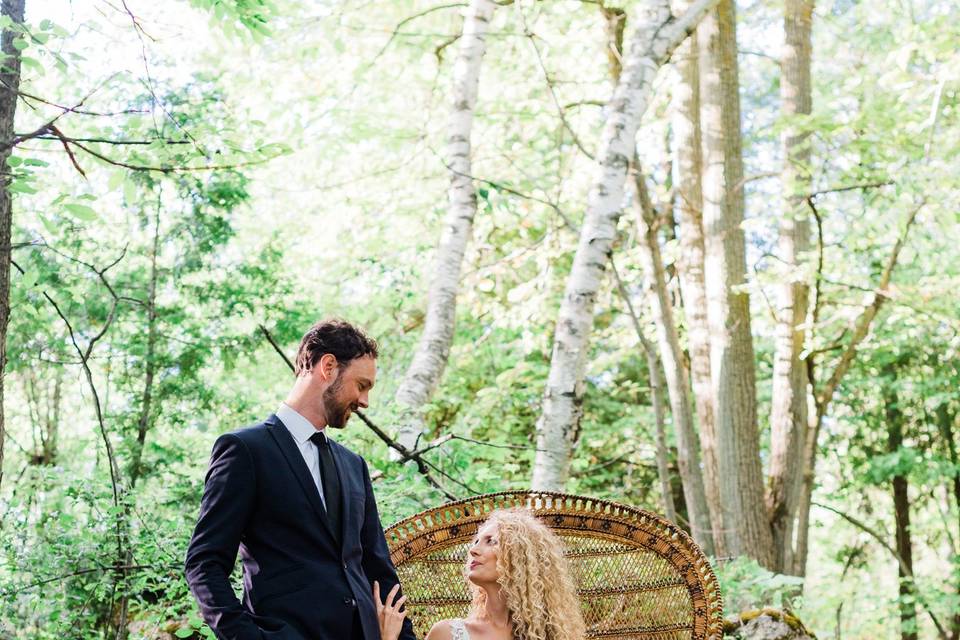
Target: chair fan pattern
x=639, y=577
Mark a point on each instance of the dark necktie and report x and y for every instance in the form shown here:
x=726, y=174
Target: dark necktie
x=330, y=481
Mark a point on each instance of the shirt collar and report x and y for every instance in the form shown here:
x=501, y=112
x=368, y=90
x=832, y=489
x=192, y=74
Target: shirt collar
x=299, y=427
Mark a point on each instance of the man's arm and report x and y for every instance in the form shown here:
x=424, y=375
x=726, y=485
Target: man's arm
x=376, y=556
x=228, y=501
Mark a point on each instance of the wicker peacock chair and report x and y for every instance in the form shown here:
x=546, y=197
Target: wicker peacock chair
x=638, y=575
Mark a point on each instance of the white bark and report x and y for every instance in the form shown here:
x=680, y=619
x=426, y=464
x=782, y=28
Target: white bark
x=433, y=350
x=788, y=420
x=655, y=39
x=688, y=165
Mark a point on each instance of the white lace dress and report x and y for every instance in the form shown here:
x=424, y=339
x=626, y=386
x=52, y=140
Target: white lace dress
x=459, y=629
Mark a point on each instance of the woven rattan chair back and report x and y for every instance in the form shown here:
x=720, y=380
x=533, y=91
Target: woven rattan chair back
x=638, y=576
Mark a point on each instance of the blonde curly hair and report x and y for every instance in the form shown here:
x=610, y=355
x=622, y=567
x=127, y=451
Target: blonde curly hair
x=534, y=578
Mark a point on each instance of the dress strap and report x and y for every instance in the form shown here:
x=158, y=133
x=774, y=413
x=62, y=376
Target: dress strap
x=459, y=629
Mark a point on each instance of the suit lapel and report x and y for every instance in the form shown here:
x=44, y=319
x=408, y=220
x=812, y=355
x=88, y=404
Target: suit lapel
x=295, y=459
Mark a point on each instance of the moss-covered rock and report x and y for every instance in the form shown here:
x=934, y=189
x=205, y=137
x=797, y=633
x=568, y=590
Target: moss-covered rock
x=766, y=624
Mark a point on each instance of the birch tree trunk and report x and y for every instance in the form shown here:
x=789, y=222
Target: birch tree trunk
x=788, y=420
x=688, y=165
x=675, y=369
x=657, y=36
x=688, y=459
x=9, y=87
x=745, y=524
x=432, y=352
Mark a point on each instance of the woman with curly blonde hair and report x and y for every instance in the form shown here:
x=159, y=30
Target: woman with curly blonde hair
x=521, y=584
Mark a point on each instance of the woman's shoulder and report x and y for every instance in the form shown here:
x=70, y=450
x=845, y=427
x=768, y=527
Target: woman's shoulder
x=449, y=629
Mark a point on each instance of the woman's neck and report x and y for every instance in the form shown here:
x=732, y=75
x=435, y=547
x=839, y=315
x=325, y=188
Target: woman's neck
x=496, y=611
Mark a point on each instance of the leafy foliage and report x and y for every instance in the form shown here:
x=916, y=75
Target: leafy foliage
x=294, y=169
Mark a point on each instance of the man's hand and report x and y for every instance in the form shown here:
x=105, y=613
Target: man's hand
x=389, y=613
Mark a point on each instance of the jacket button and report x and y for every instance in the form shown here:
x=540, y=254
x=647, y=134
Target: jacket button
x=350, y=602
x=344, y=566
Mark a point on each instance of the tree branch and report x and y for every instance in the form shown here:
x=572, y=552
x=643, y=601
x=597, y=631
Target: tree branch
x=862, y=325
x=904, y=567
x=276, y=347
x=852, y=187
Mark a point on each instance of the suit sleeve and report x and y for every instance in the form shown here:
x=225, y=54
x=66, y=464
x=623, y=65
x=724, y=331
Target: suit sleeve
x=376, y=556
x=229, y=496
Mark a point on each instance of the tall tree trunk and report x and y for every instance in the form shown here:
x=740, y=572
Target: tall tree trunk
x=731, y=344
x=675, y=369
x=432, y=352
x=651, y=45
x=688, y=165
x=656, y=399
x=144, y=420
x=9, y=87
x=788, y=420
x=688, y=459
x=901, y=509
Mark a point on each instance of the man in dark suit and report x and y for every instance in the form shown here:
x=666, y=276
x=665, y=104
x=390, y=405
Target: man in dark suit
x=300, y=509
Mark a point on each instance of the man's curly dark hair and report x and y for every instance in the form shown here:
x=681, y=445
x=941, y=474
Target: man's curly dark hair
x=337, y=337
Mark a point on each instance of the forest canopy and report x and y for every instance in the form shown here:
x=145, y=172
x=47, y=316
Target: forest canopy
x=702, y=258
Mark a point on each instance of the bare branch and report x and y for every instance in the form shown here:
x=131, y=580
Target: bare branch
x=863, y=322
x=66, y=147
x=532, y=37
x=852, y=187
x=276, y=347
x=113, y=142
x=904, y=567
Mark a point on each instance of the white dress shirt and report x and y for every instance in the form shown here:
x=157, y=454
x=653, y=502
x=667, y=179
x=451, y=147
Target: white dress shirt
x=301, y=429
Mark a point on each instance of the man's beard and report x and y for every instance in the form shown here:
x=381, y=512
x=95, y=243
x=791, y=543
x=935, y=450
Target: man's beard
x=337, y=412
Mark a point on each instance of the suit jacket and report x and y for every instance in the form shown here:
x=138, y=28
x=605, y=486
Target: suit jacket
x=299, y=583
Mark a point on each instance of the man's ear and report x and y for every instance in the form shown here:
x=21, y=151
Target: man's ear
x=327, y=366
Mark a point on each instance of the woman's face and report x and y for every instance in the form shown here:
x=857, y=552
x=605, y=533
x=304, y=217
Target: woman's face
x=482, y=556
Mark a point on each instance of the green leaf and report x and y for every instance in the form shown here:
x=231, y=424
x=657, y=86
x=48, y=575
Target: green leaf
x=116, y=180
x=20, y=44
x=130, y=191
x=184, y=632
x=20, y=186
x=81, y=211
x=33, y=64
x=48, y=224
x=30, y=278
